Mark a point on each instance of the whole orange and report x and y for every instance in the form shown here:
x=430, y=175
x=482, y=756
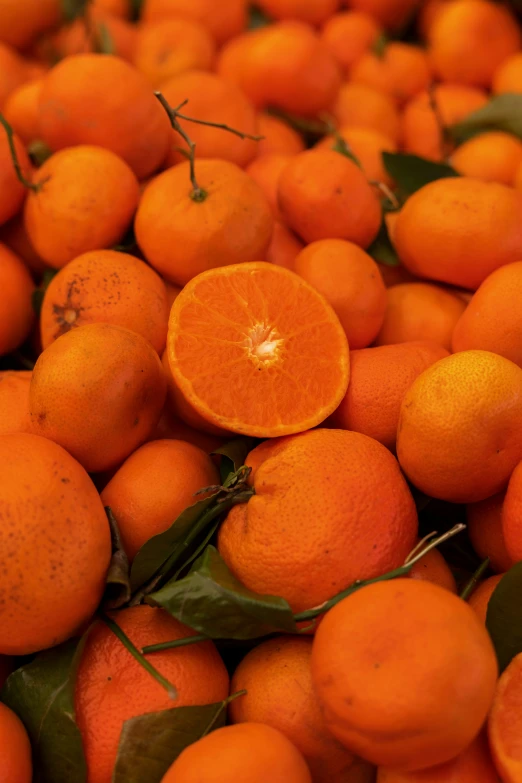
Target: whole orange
x=512, y=514
x=484, y=521
x=14, y=401
x=15, y=749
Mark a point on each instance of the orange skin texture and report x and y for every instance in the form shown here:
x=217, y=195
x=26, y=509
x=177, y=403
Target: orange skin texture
x=112, y=687
x=503, y=724
x=14, y=401
x=391, y=14
x=105, y=286
x=14, y=235
x=249, y=752
x=420, y=131
x=12, y=192
x=492, y=157
x=118, y=100
x=154, y=486
x=75, y=39
x=15, y=748
x=181, y=237
x=459, y=435
x=284, y=247
x=433, y=568
x=103, y=419
x=314, y=12
x=512, y=516
x=508, y=76
x=479, y=598
x=459, y=230
x=223, y=22
x=288, y=704
x=379, y=379
x=13, y=72
x=362, y=106
x=484, y=522
x=324, y=195
x=171, y=46
x=469, y=39
x=402, y=71
x=492, y=321
x=349, y=280
x=308, y=547
x=367, y=145
x=278, y=137
x=349, y=35
x=86, y=201
x=16, y=311
x=213, y=99
x=48, y=589
x=266, y=170
x=21, y=112
x=21, y=21
x=382, y=696
x=420, y=311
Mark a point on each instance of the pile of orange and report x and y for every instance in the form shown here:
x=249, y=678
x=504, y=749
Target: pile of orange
x=260, y=353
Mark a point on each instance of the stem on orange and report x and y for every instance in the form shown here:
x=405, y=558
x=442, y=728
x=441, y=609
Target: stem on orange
x=471, y=585
x=14, y=157
x=152, y=648
x=198, y=194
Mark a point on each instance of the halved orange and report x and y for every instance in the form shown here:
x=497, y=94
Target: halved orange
x=505, y=723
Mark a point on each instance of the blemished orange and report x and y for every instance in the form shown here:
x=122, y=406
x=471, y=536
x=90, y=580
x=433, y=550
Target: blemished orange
x=288, y=704
x=124, y=115
x=21, y=111
x=479, y=598
x=15, y=748
x=107, y=376
x=469, y=39
x=16, y=311
x=349, y=280
x=212, y=99
x=386, y=664
x=12, y=192
x=484, y=522
x=460, y=427
x=86, y=199
x=13, y=72
x=48, y=591
x=512, y=516
x=420, y=311
x=504, y=723
x=493, y=156
x=402, y=71
x=306, y=547
x=324, y=195
x=284, y=247
x=112, y=687
x=105, y=286
x=223, y=21
x=277, y=137
x=349, y=35
x=153, y=486
x=14, y=401
x=459, y=230
x=379, y=379
x=433, y=568
x=492, y=321
x=392, y=14
x=362, y=106
x=266, y=170
x=234, y=315
x=367, y=145
x=182, y=235
x=508, y=76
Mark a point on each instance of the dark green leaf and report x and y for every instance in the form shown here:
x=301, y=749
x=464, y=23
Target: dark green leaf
x=410, y=173
x=212, y=601
x=379, y=47
x=118, y=590
x=341, y=146
x=39, y=293
x=72, y=9
x=504, y=616
x=503, y=113
x=257, y=19
x=233, y=455
x=382, y=250
x=42, y=695
x=104, y=42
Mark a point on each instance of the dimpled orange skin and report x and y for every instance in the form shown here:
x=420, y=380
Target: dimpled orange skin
x=105, y=286
x=112, y=687
x=362, y=106
x=484, y=521
x=181, y=237
x=382, y=695
x=284, y=247
x=379, y=379
x=460, y=428
x=278, y=138
x=124, y=115
x=86, y=201
x=512, y=516
x=459, y=230
x=98, y=391
x=14, y=401
x=492, y=157
x=479, y=598
x=367, y=145
x=15, y=748
x=504, y=723
x=16, y=312
x=223, y=22
x=433, y=568
x=402, y=71
x=324, y=195
x=56, y=545
x=289, y=704
x=307, y=546
x=508, y=76
x=349, y=35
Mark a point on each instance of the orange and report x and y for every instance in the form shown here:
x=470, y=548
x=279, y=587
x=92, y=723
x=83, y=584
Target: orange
x=87, y=34
x=21, y=111
x=284, y=247
x=112, y=687
x=433, y=568
x=119, y=8
x=277, y=678
x=379, y=380
x=169, y=47
x=182, y=234
x=504, y=723
x=98, y=391
x=106, y=287
x=508, y=76
x=14, y=401
x=460, y=433
x=367, y=145
x=386, y=664
x=13, y=72
x=49, y=589
x=493, y=157
x=479, y=598
x=349, y=280
x=355, y=523
x=124, y=115
x=427, y=13
x=402, y=70
x=459, y=230
x=12, y=192
x=278, y=138
x=266, y=170
x=312, y=11
x=420, y=311
x=349, y=35
x=153, y=486
x=16, y=312
x=22, y=21
x=492, y=320
x=365, y=107
x=223, y=21
x=392, y=14
x=469, y=39
x=14, y=235
x=172, y=428
x=512, y=514
x=484, y=521
x=15, y=749
x=235, y=316
x=324, y=195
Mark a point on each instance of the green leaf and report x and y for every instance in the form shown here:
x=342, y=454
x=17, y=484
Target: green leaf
x=212, y=601
x=72, y=9
x=341, y=146
x=257, y=19
x=379, y=47
x=39, y=293
x=504, y=616
x=502, y=113
x=118, y=589
x=411, y=173
x=42, y=695
x=233, y=455
x=104, y=41
x=382, y=250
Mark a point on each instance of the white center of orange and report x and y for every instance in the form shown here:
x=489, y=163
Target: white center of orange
x=263, y=344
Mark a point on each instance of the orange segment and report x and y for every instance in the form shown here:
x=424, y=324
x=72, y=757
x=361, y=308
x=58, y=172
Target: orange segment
x=256, y=350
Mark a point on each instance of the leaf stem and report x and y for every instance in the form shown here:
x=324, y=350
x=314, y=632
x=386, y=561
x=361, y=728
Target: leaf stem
x=171, y=645
x=412, y=559
x=224, y=705
x=198, y=194
x=219, y=125
x=471, y=585
x=14, y=157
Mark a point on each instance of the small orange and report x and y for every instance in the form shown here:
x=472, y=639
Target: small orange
x=365, y=107
x=21, y=111
x=266, y=170
x=504, y=723
x=15, y=748
x=508, y=76
x=493, y=157
x=12, y=192
x=14, y=401
x=13, y=72
x=277, y=137
x=284, y=247
x=16, y=312
x=367, y=145
x=402, y=71
x=349, y=35
x=512, y=514
x=479, y=598
x=484, y=521
x=433, y=568
x=223, y=21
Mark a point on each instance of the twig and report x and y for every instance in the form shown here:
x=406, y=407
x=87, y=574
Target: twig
x=386, y=191
x=471, y=585
x=219, y=125
x=152, y=648
x=14, y=157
